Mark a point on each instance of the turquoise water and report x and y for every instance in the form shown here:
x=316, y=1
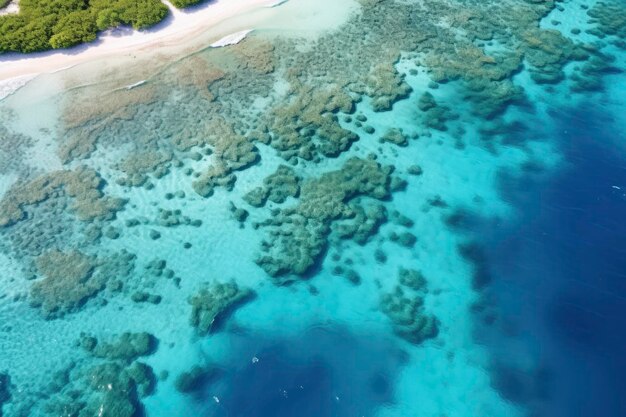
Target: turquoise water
x=412, y=210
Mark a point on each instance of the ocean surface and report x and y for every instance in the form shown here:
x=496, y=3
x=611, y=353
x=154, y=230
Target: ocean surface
x=364, y=208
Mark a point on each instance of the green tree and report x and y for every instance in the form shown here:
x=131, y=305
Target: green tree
x=108, y=18
x=74, y=28
x=47, y=24
x=143, y=13
x=185, y=3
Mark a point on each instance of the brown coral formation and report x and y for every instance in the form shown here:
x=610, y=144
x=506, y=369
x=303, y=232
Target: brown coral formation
x=73, y=277
x=276, y=188
x=386, y=86
x=364, y=224
x=13, y=147
x=232, y=152
x=405, y=308
x=67, y=283
x=213, y=303
x=137, y=167
x=306, y=125
x=195, y=379
x=547, y=51
x=126, y=347
x=610, y=20
x=396, y=137
x=111, y=387
x=197, y=72
x=256, y=54
x=86, y=120
x=82, y=185
x=297, y=236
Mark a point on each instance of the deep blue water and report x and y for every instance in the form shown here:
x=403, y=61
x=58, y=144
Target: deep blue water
x=559, y=277
x=323, y=372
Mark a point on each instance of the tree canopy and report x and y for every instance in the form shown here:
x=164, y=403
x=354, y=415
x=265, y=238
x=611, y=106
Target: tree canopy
x=184, y=3
x=49, y=24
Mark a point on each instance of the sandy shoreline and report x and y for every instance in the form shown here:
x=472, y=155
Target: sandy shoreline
x=10, y=8
x=178, y=27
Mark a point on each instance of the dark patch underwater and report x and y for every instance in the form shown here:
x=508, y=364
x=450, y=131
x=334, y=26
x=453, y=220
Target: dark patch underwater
x=323, y=372
x=560, y=277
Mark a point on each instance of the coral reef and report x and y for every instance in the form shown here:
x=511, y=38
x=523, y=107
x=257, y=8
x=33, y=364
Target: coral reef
x=412, y=279
x=547, y=51
x=350, y=274
x=306, y=125
x=126, y=347
x=71, y=278
x=83, y=186
x=5, y=390
x=406, y=239
x=408, y=318
x=475, y=254
x=232, y=152
x=363, y=224
x=143, y=377
x=415, y=170
x=256, y=54
x=426, y=102
x=386, y=86
x=199, y=73
x=435, y=116
x=590, y=76
x=108, y=381
x=195, y=379
x=610, y=20
x=67, y=283
x=173, y=218
x=218, y=175
x=144, y=297
x=302, y=122
x=86, y=121
x=396, y=137
x=405, y=308
x=138, y=165
x=276, y=188
x=239, y=214
x=213, y=303
x=13, y=147
x=298, y=235
x=400, y=219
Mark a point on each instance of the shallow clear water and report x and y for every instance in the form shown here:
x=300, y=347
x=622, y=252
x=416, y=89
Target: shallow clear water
x=396, y=209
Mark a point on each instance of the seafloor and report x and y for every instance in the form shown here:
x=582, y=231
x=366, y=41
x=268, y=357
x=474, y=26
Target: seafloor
x=390, y=208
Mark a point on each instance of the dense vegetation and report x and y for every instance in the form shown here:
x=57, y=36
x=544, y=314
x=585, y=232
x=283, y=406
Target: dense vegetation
x=4, y=3
x=182, y=3
x=47, y=24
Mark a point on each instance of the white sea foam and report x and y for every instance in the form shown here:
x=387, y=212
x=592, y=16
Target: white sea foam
x=277, y=3
x=137, y=84
x=232, y=39
x=10, y=86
